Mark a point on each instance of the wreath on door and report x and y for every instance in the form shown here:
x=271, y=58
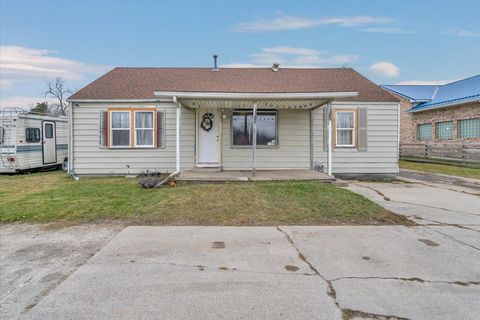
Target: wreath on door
x=207, y=122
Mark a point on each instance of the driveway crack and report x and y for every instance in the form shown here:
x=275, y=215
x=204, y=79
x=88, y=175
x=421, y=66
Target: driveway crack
x=441, y=224
x=413, y=279
x=330, y=290
x=348, y=314
x=452, y=238
x=201, y=267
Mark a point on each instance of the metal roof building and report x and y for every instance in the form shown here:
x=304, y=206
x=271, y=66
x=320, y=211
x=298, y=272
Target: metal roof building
x=427, y=97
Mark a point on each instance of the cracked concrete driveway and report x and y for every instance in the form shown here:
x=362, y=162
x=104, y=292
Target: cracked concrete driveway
x=272, y=273
x=429, y=271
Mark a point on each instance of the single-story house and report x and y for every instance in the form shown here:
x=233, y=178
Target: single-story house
x=132, y=120
x=444, y=115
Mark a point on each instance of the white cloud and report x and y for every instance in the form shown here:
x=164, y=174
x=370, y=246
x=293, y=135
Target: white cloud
x=24, y=102
x=284, y=22
x=464, y=33
x=298, y=57
x=19, y=64
x=424, y=82
x=290, y=50
x=388, y=30
x=384, y=69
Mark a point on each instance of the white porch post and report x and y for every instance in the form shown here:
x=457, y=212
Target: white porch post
x=254, y=142
x=329, y=113
x=177, y=140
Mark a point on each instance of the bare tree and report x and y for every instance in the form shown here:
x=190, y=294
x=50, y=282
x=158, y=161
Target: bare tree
x=56, y=89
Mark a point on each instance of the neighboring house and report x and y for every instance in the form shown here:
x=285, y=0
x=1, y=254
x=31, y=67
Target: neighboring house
x=173, y=119
x=440, y=121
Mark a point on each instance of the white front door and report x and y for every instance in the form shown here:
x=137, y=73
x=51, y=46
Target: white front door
x=49, y=142
x=208, y=137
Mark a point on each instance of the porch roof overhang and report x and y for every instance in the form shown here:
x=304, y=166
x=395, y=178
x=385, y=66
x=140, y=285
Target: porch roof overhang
x=230, y=100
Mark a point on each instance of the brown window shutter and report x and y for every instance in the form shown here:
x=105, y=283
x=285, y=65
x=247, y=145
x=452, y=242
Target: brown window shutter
x=160, y=129
x=325, y=128
x=103, y=129
x=362, y=129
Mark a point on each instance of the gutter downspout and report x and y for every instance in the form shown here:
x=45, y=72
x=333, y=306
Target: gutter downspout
x=398, y=137
x=177, y=143
x=254, y=142
x=329, y=154
x=70, y=170
x=177, y=139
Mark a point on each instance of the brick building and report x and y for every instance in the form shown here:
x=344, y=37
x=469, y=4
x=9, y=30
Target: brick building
x=445, y=117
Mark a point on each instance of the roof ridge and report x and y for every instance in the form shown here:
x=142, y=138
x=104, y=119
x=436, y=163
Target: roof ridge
x=240, y=68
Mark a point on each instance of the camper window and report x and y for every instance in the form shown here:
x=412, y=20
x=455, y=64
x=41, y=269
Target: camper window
x=32, y=135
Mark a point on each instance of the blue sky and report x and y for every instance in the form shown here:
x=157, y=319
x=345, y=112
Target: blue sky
x=388, y=41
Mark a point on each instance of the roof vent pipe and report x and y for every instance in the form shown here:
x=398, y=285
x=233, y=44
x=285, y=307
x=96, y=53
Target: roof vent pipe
x=215, y=67
x=275, y=66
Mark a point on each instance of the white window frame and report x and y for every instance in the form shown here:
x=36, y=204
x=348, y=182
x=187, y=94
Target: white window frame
x=135, y=129
x=354, y=129
x=111, y=129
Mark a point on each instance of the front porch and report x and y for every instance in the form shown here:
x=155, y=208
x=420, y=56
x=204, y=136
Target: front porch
x=255, y=132
x=260, y=175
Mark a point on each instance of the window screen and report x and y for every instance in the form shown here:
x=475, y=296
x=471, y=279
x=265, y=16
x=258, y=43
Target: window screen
x=443, y=130
x=144, y=128
x=242, y=128
x=120, y=128
x=424, y=132
x=469, y=128
x=32, y=135
x=345, y=128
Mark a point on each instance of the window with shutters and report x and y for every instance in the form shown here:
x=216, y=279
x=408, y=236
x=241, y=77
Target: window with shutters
x=144, y=128
x=132, y=128
x=345, y=128
x=120, y=129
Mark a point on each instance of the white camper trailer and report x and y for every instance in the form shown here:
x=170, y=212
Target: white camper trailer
x=31, y=141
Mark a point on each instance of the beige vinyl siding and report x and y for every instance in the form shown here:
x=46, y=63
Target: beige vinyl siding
x=90, y=158
x=382, y=150
x=318, y=151
x=292, y=152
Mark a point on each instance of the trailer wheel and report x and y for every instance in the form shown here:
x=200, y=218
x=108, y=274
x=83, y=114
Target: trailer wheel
x=65, y=165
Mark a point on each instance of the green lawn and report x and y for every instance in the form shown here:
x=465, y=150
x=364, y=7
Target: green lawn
x=53, y=196
x=441, y=168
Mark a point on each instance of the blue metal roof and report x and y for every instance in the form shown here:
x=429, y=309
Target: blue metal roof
x=431, y=96
x=413, y=92
x=457, y=92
